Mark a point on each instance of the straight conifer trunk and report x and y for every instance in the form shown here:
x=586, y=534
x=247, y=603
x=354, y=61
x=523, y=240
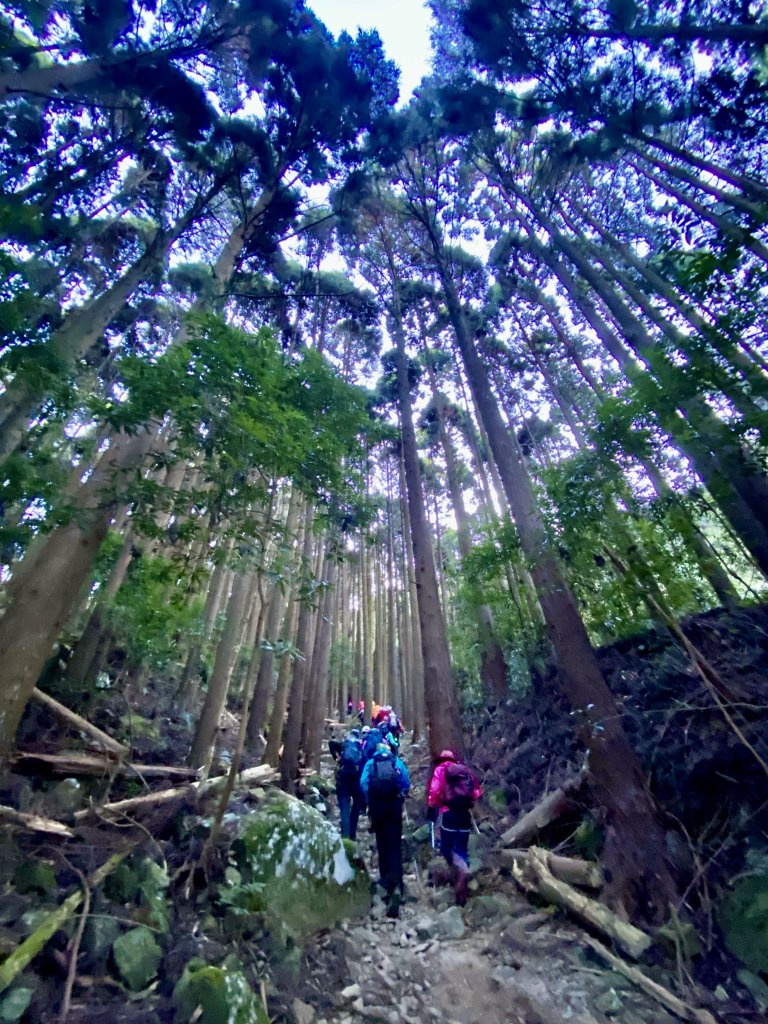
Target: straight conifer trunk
x=442, y=709
x=641, y=881
x=218, y=685
x=47, y=583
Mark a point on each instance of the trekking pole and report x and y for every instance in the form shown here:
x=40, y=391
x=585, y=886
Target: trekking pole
x=474, y=823
x=432, y=834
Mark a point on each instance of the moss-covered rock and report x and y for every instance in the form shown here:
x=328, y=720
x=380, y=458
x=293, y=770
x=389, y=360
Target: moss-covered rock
x=137, y=956
x=296, y=870
x=743, y=916
x=216, y=995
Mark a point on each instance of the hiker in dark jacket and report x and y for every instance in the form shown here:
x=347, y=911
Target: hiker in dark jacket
x=451, y=794
x=385, y=784
x=349, y=754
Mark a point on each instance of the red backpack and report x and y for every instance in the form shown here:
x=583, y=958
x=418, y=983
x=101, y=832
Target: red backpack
x=458, y=787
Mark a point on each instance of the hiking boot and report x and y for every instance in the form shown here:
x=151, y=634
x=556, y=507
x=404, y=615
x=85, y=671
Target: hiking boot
x=461, y=887
x=393, y=904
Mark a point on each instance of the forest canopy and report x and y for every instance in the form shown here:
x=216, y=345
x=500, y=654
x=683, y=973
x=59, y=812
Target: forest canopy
x=310, y=397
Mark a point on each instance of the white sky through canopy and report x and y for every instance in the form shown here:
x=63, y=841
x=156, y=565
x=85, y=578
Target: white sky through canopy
x=402, y=24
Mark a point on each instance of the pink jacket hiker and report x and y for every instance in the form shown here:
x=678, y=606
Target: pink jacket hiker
x=436, y=790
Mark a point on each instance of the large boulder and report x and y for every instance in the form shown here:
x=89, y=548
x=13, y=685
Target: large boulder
x=296, y=870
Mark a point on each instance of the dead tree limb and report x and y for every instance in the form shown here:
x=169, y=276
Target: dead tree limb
x=263, y=773
x=535, y=876
x=652, y=988
x=82, y=724
x=29, y=762
x=572, y=870
x=34, y=822
x=553, y=806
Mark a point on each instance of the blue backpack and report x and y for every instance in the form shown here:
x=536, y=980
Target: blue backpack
x=350, y=760
x=386, y=781
x=371, y=741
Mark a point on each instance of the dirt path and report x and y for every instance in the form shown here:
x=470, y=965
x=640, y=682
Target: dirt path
x=497, y=961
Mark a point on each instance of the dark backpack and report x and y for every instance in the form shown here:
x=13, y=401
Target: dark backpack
x=458, y=787
x=386, y=782
x=350, y=760
x=371, y=741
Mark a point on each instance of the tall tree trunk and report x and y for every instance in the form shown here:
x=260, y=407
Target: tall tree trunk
x=727, y=483
x=493, y=666
x=215, y=598
x=441, y=699
x=315, y=714
x=264, y=663
x=289, y=759
x=271, y=754
x=48, y=582
x=79, y=669
x=635, y=847
x=201, y=754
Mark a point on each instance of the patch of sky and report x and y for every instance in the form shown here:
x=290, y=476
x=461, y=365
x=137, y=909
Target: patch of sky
x=404, y=27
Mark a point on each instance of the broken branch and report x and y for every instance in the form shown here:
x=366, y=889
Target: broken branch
x=79, y=723
x=651, y=987
x=34, y=822
x=535, y=876
x=551, y=807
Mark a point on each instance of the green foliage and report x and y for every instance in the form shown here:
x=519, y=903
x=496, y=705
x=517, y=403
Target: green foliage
x=14, y=1003
x=153, y=610
x=237, y=397
x=138, y=957
x=743, y=916
x=34, y=876
x=216, y=995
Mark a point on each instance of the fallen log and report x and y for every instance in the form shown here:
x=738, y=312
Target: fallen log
x=547, y=810
x=652, y=988
x=80, y=723
x=251, y=776
x=572, y=870
x=535, y=876
x=29, y=762
x=138, y=803
x=14, y=964
x=34, y=822
x=197, y=790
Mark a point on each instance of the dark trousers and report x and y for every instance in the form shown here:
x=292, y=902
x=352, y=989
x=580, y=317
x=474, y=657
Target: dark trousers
x=387, y=824
x=350, y=806
x=455, y=827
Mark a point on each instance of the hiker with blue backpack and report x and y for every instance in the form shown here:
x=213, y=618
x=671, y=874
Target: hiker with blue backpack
x=451, y=795
x=349, y=754
x=385, y=784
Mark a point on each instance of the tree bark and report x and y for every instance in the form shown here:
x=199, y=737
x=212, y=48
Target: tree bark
x=48, y=581
x=201, y=754
x=635, y=849
x=442, y=706
x=289, y=759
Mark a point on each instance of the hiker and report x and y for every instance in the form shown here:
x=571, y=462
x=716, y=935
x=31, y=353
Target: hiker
x=381, y=716
x=375, y=709
x=361, y=711
x=451, y=794
x=349, y=754
x=385, y=784
x=388, y=737
x=371, y=739
x=395, y=726
x=350, y=707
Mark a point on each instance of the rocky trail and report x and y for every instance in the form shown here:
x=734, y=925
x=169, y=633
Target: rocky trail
x=498, y=960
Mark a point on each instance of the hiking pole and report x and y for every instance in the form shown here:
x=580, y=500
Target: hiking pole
x=474, y=823
x=432, y=834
